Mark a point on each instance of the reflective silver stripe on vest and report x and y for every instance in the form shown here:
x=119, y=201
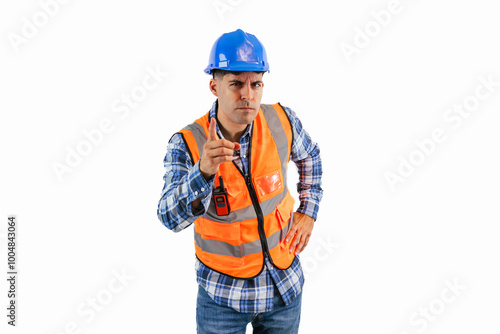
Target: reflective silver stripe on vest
x=248, y=212
x=199, y=135
x=249, y=248
x=278, y=133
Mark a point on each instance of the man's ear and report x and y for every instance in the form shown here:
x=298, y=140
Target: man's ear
x=214, y=87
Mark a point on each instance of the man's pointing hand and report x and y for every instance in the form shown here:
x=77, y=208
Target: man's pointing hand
x=215, y=152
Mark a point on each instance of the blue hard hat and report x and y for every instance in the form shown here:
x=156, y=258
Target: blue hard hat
x=237, y=51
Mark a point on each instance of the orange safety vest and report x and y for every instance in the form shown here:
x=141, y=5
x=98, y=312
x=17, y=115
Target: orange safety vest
x=261, y=205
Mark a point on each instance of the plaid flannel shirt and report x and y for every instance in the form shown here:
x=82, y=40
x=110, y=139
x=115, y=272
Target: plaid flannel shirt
x=184, y=183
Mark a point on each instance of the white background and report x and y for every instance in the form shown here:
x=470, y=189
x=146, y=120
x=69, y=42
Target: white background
x=378, y=256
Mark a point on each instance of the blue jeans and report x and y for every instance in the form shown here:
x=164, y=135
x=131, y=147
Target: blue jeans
x=211, y=318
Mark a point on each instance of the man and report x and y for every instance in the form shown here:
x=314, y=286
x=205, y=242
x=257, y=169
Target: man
x=227, y=173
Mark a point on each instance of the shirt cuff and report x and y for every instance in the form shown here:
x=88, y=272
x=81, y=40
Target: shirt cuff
x=309, y=208
x=199, y=188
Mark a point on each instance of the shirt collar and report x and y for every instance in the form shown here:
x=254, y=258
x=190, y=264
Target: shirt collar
x=213, y=113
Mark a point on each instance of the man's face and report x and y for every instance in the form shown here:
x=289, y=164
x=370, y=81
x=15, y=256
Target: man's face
x=239, y=97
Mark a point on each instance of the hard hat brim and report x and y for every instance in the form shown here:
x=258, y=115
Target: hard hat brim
x=238, y=67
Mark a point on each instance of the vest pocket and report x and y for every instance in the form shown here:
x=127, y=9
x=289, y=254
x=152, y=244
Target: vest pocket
x=268, y=185
x=221, y=231
x=220, y=243
x=237, y=194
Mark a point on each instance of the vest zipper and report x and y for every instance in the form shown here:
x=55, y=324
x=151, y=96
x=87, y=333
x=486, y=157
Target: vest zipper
x=260, y=216
x=255, y=202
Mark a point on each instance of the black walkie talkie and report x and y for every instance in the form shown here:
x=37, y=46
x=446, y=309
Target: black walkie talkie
x=220, y=199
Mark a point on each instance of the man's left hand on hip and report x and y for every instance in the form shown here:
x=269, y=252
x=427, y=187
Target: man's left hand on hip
x=299, y=234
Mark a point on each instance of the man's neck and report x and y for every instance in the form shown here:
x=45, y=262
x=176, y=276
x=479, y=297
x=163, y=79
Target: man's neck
x=233, y=136
x=230, y=133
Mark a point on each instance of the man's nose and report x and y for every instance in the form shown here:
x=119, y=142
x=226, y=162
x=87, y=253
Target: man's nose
x=246, y=91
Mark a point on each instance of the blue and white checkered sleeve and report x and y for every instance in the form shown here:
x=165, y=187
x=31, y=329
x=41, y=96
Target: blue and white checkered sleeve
x=306, y=155
x=184, y=183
